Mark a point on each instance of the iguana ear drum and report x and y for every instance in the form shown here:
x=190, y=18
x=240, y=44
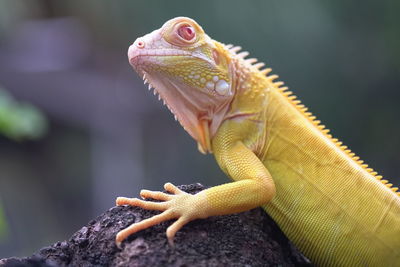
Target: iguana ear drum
x=223, y=88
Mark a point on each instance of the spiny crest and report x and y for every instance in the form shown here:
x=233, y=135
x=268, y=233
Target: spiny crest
x=317, y=123
x=251, y=62
x=234, y=49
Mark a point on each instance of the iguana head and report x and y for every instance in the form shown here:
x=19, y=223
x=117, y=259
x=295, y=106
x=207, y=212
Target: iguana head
x=191, y=72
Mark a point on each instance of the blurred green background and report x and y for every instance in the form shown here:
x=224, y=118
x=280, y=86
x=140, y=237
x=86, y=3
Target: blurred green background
x=80, y=128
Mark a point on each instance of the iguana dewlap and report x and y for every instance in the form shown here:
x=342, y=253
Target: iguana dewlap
x=335, y=208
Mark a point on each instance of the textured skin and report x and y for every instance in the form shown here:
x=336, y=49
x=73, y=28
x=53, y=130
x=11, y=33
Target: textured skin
x=333, y=207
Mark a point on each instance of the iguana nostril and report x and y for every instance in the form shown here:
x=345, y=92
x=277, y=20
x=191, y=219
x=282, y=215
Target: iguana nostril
x=139, y=43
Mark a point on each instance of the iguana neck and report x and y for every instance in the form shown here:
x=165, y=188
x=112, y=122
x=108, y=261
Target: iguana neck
x=250, y=87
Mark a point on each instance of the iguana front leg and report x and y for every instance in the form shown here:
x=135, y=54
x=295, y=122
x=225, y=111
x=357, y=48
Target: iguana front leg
x=178, y=205
x=253, y=187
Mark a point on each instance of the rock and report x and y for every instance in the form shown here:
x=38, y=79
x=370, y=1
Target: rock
x=246, y=239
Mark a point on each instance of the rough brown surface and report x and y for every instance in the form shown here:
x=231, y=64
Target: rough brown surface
x=246, y=239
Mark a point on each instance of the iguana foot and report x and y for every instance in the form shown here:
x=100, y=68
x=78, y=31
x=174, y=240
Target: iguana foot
x=178, y=204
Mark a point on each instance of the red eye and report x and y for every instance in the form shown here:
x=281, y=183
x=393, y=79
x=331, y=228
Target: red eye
x=186, y=32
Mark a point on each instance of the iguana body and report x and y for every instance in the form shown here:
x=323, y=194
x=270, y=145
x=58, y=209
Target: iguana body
x=335, y=209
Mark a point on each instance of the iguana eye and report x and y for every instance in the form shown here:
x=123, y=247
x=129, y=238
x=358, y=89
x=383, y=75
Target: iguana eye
x=186, y=32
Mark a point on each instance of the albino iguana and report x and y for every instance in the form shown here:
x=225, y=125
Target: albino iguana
x=334, y=208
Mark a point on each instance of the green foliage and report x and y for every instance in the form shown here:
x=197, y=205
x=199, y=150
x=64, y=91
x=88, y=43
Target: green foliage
x=3, y=224
x=19, y=121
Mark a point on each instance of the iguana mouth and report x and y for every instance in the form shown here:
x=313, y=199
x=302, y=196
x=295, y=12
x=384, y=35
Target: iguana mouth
x=134, y=54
